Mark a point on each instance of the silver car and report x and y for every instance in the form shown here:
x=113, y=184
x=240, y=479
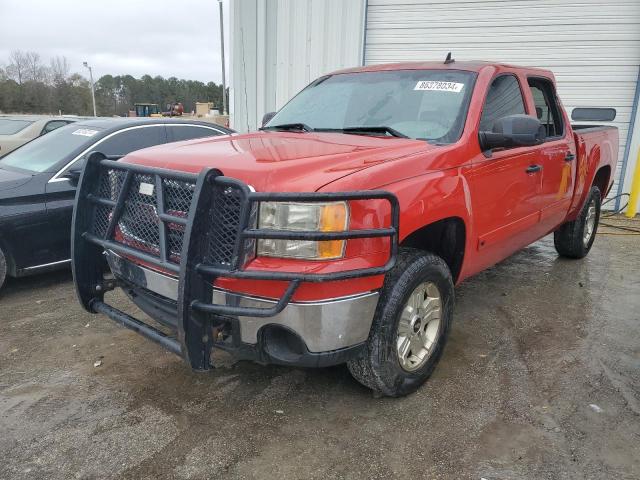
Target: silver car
x=16, y=130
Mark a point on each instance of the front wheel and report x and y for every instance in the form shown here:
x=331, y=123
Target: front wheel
x=574, y=239
x=3, y=268
x=410, y=326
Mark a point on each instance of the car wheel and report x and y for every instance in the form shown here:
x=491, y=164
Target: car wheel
x=575, y=239
x=410, y=326
x=3, y=268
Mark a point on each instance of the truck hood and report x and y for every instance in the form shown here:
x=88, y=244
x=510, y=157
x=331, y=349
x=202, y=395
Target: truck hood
x=280, y=161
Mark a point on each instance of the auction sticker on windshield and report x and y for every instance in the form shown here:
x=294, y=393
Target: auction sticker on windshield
x=84, y=132
x=436, y=86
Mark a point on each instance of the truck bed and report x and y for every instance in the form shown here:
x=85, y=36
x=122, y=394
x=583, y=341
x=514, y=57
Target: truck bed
x=591, y=128
x=597, y=157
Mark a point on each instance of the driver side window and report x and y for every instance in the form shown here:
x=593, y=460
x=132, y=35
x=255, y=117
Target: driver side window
x=504, y=98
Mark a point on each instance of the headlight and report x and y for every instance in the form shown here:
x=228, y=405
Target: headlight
x=321, y=217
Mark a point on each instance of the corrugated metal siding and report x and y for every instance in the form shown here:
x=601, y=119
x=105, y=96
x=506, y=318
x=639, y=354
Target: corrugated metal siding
x=593, y=47
x=279, y=46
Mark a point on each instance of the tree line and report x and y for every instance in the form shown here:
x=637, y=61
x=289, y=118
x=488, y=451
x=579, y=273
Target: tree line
x=28, y=84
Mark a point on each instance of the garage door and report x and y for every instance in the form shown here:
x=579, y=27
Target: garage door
x=593, y=47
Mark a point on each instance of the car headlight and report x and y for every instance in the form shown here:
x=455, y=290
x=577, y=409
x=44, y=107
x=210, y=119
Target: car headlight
x=297, y=216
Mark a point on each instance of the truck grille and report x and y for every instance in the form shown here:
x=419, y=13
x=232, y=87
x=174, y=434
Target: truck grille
x=225, y=220
x=139, y=225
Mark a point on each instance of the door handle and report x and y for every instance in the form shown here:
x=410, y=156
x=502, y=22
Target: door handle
x=569, y=157
x=533, y=168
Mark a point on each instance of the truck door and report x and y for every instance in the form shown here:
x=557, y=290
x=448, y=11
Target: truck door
x=505, y=184
x=557, y=154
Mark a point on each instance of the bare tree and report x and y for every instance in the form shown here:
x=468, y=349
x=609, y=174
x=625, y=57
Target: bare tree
x=59, y=70
x=17, y=66
x=34, y=71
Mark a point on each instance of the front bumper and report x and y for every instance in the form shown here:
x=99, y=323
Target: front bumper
x=198, y=228
x=322, y=326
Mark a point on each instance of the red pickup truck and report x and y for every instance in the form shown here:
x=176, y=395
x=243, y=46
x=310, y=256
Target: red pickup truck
x=337, y=232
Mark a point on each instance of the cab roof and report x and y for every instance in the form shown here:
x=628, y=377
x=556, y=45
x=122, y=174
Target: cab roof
x=470, y=66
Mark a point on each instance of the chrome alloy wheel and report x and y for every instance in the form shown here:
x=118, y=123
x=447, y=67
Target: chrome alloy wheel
x=419, y=326
x=589, y=223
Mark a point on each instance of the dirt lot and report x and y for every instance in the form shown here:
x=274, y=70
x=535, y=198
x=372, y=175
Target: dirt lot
x=541, y=379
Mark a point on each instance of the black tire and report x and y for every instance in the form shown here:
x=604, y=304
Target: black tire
x=380, y=368
x=569, y=239
x=3, y=268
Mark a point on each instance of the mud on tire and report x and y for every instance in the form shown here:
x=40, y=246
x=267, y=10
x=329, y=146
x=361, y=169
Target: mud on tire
x=380, y=366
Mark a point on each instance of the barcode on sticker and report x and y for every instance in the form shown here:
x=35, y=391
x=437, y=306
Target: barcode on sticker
x=439, y=86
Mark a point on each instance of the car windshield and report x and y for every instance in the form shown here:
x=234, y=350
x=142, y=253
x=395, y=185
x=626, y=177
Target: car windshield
x=43, y=153
x=420, y=104
x=9, y=126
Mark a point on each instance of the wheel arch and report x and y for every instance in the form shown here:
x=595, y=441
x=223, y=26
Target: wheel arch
x=602, y=179
x=445, y=237
x=8, y=255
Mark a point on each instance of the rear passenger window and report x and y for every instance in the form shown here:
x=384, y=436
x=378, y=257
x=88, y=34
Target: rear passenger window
x=504, y=98
x=52, y=125
x=547, y=110
x=188, y=132
x=130, y=140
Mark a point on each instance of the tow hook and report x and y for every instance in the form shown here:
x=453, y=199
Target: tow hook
x=220, y=332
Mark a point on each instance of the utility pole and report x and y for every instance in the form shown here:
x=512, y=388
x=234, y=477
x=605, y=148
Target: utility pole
x=224, y=81
x=93, y=93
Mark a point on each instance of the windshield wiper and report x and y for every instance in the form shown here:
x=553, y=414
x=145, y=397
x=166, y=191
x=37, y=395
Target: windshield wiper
x=303, y=127
x=365, y=130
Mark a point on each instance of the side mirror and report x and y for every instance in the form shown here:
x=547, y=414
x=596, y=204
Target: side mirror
x=267, y=117
x=513, y=131
x=73, y=174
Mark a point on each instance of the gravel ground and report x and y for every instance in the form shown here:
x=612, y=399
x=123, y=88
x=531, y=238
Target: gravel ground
x=540, y=379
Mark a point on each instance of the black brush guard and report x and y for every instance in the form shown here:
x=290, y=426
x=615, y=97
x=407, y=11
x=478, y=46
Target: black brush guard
x=215, y=242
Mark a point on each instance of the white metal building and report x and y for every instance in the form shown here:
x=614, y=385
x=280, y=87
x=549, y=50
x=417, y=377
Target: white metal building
x=593, y=47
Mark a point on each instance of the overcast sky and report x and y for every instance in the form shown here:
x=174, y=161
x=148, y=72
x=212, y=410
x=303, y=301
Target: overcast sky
x=158, y=37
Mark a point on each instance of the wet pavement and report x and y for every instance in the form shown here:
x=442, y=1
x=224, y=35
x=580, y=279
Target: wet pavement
x=540, y=379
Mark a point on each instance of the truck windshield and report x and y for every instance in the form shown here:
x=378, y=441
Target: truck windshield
x=421, y=104
x=43, y=153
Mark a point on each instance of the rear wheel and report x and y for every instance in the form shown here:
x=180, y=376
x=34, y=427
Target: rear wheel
x=410, y=326
x=575, y=239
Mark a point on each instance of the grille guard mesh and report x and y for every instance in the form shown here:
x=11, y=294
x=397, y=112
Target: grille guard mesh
x=198, y=227
x=145, y=213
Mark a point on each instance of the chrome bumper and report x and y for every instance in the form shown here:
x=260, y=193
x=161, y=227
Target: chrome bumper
x=325, y=325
